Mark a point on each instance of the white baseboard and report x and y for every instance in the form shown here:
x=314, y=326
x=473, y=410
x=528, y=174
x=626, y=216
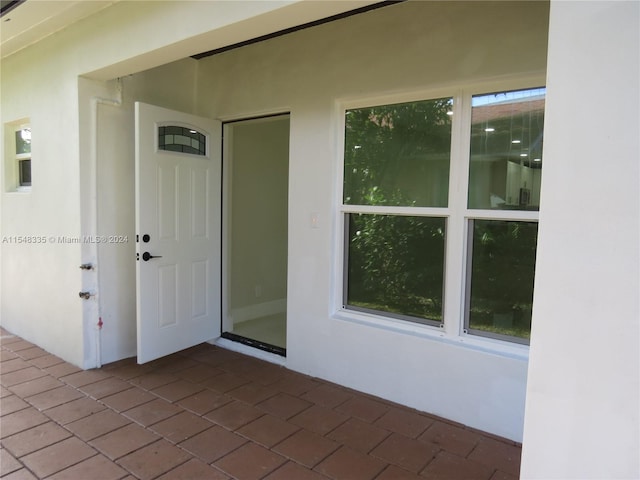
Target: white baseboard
x=239, y=315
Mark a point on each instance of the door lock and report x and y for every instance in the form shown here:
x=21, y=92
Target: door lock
x=146, y=256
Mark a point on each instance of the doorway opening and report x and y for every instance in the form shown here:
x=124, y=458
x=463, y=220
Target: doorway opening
x=255, y=222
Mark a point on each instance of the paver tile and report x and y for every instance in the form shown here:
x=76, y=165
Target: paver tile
x=405, y=452
x=177, y=390
x=180, y=427
x=53, y=398
x=319, y=419
x=152, y=380
x=352, y=465
x=292, y=470
x=451, y=438
x=58, y=456
x=358, y=435
x=284, y=405
x=38, y=385
x=363, y=408
x=19, y=345
x=127, y=369
x=212, y=444
x=8, y=463
x=307, y=448
x=408, y=423
x=250, y=462
x=22, y=474
x=234, y=415
x=12, y=403
x=46, y=361
x=61, y=370
x=6, y=355
x=194, y=469
x=20, y=421
x=20, y=376
x=447, y=466
x=252, y=393
x=123, y=441
x=154, y=460
x=35, y=438
x=268, y=430
x=152, y=412
x=104, y=388
x=199, y=373
x=97, y=467
x=226, y=381
x=499, y=455
x=295, y=384
x=393, y=472
x=128, y=399
x=75, y=410
x=32, y=353
x=204, y=401
x=84, y=377
x=327, y=395
x=13, y=365
x=97, y=424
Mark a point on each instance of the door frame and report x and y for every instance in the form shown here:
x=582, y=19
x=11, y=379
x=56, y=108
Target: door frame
x=227, y=175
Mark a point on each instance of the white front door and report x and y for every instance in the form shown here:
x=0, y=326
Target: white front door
x=178, y=226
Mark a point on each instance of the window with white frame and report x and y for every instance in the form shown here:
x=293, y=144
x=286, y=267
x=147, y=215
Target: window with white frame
x=18, y=156
x=410, y=207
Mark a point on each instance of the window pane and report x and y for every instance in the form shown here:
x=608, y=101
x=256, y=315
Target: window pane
x=506, y=150
x=180, y=139
x=503, y=256
x=398, y=154
x=395, y=265
x=23, y=141
x=24, y=167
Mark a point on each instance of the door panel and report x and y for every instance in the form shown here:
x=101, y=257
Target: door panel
x=178, y=224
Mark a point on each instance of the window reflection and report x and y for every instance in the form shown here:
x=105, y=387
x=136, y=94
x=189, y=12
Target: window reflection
x=506, y=150
x=398, y=154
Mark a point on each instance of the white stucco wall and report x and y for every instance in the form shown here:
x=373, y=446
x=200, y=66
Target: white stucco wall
x=306, y=73
x=583, y=396
x=40, y=284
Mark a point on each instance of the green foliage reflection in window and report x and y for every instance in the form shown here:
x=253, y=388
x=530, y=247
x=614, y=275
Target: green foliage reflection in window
x=398, y=154
x=396, y=265
x=503, y=257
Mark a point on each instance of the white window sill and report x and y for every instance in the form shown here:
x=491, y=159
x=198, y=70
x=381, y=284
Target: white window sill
x=488, y=345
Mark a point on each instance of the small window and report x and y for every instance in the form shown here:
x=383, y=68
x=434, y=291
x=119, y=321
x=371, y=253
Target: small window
x=24, y=173
x=18, y=156
x=181, y=139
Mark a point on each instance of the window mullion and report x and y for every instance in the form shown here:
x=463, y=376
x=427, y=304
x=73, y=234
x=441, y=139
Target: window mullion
x=456, y=227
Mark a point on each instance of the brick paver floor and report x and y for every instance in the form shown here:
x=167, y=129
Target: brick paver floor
x=209, y=413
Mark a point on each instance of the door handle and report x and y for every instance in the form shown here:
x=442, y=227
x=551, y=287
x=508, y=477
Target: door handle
x=146, y=256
